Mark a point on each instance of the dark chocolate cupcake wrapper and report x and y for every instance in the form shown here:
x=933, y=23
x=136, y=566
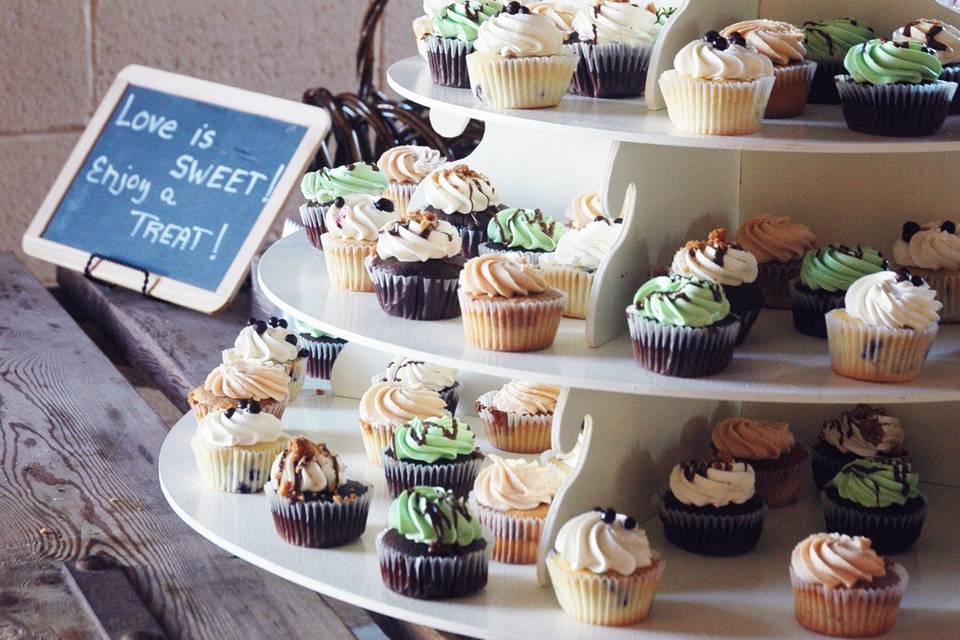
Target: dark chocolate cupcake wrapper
x=533, y=257
x=810, y=307
x=901, y=110
x=470, y=240
x=313, y=223
x=746, y=301
x=951, y=73
x=889, y=531
x=823, y=90
x=824, y=468
x=415, y=297
x=447, y=58
x=432, y=577
x=613, y=70
x=773, y=279
x=319, y=524
x=323, y=353
x=457, y=476
x=711, y=534
x=451, y=395
x=684, y=352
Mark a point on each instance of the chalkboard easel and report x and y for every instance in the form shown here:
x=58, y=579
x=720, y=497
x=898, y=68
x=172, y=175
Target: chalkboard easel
x=173, y=186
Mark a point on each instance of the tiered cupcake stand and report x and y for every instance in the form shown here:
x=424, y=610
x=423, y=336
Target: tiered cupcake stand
x=671, y=187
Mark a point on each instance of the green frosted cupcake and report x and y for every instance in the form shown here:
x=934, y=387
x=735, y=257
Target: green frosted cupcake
x=321, y=189
x=455, y=28
x=825, y=275
x=879, y=499
x=682, y=327
x=827, y=43
x=526, y=232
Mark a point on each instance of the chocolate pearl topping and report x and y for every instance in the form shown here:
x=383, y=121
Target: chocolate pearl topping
x=949, y=226
x=515, y=7
x=292, y=339
x=718, y=41
x=909, y=229
x=384, y=204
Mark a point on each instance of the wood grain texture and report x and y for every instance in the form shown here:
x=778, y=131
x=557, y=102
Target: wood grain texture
x=78, y=476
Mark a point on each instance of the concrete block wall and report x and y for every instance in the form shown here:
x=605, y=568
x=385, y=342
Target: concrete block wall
x=57, y=58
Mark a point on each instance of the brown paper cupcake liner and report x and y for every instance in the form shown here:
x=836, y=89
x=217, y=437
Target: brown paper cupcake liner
x=947, y=286
x=313, y=222
x=319, y=524
x=575, y=283
x=715, y=108
x=502, y=324
x=235, y=469
x=613, y=70
x=773, y=279
x=431, y=577
x=685, y=352
x=876, y=354
x=516, y=539
x=457, y=476
x=848, y=613
x=780, y=487
x=400, y=193
x=447, y=58
x=520, y=83
x=901, y=110
x=890, y=530
x=514, y=432
x=790, y=90
x=345, y=267
x=414, y=297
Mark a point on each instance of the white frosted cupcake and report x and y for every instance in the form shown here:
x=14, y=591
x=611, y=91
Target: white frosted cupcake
x=603, y=569
x=271, y=342
x=465, y=198
x=513, y=499
x=564, y=462
x=578, y=255
x=352, y=224
x=388, y=405
x=932, y=251
x=519, y=61
x=405, y=167
x=886, y=328
x=944, y=39
x=234, y=448
x=518, y=416
x=583, y=209
x=418, y=374
x=718, y=86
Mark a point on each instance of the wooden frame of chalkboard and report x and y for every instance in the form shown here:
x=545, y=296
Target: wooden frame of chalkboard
x=49, y=238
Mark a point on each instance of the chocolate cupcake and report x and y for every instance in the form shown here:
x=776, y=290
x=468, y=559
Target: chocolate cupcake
x=524, y=232
x=878, y=499
x=436, y=452
x=322, y=350
x=321, y=188
x=827, y=42
x=712, y=507
x=682, y=327
x=944, y=39
x=728, y=265
x=862, y=432
x=434, y=546
x=455, y=28
x=312, y=502
x=779, y=246
x=466, y=199
x=417, y=374
x=416, y=268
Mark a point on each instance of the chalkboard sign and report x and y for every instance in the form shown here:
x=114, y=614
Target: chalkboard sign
x=178, y=179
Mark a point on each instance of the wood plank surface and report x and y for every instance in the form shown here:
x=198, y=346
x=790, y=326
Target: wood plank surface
x=78, y=476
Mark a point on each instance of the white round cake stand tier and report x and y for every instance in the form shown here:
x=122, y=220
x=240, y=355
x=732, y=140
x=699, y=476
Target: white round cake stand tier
x=745, y=597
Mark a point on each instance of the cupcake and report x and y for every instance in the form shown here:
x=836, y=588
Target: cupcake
x=560, y=14
x=455, y=28
x=613, y=41
x=603, y=569
x=564, y=462
x=825, y=275
x=518, y=416
x=841, y=587
x=321, y=188
x=777, y=460
x=519, y=61
x=779, y=246
x=712, y=507
x=525, y=232
x=578, y=255
x=405, y=167
x=728, y=265
x=231, y=382
x=932, y=251
x=388, y=405
x=513, y=498
x=718, y=86
x=682, y=327
x=433, y=547
x=863, y=432
x=312, y=502
x=783, y=44
x=352, y=224
x=507, y=305
x=416, y=267
x=271, y=343
x=944, y=39
x=423, y=25
x=464, y=198
x=886, y=330
x=879, y=499
x=418, y=374
x=437, y=452
x=827, y=43
x=322, y=350
x=234, y=447
x=584, y=209
x=893, y=90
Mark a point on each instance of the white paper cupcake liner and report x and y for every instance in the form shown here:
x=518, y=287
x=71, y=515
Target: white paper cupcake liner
x=318, y=524
x=528, y=324
x=520, y=83
x=313, y=223
x=400, y=194
x=376, y=439
x=297, y=370
x=235, y=469
x=877, y=354
x=572, y=281
x=455, y=476
x=516, y=539
x=715, y=108
x=514, y=432
x=432, y=577
x=614, y=70
x=344, y=259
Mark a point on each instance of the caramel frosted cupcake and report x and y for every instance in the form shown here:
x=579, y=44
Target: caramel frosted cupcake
x=603, y=569
x=578, y=255
x=730, y=266
x=352, y=224
x=518, y=416
x=513, y=498
x=270, y=342
x=418, y=374
x=841, y=587
x=932, y=251
x=507, y=304
x=779, y=246
x=862, y=432
x=777, y=460
x=405, y=167
x=231, y=382
x=466, y=199
x=387, y=405
x=584, y=209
